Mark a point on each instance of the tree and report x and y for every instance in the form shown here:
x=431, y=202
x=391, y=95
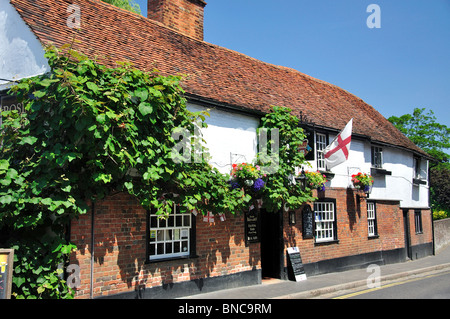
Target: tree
x=424, y=131
x=434, y=138
x=129, y=5
x=440, y=190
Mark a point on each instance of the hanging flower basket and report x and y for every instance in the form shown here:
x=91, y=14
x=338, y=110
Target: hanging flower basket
x=362, y=181
x=315, y=180
x=247, y=176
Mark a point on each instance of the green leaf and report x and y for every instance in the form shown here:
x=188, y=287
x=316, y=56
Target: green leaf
x=29, y=140
x=101, y=118
x=129, y=185
x=141, y=93
x=145, y=108
x=4, y=164
x=39, y=94
x=46, y=201
x=105, y=178
x=12, y=173
x=92, y=86
x=6, y=199
x=18, y=281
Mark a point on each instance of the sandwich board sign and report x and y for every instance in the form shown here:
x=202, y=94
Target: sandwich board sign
x=296, y=263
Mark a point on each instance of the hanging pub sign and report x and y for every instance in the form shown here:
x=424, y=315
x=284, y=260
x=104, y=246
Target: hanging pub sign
x=6, y=270
x=307, y=222
x=252, y=229
x=307, y=148
x=10, y=103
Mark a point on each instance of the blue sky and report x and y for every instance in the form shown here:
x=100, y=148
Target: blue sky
x=395, y=68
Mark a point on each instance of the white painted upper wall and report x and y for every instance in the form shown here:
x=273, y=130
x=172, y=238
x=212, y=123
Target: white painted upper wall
x=21, y=53
x=398, y=186
x=230, y=137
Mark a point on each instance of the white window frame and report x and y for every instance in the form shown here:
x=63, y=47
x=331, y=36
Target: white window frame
x=321, y=144
x=371, y=219
x=377, y=157
x=170, y=237
x=325, y=221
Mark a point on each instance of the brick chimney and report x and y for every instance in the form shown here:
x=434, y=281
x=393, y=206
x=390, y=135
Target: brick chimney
x=184, y=16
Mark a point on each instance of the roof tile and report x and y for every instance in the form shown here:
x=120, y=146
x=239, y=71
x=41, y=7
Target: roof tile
x=214, y=73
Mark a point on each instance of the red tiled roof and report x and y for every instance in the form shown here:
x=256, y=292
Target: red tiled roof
x=214, y=73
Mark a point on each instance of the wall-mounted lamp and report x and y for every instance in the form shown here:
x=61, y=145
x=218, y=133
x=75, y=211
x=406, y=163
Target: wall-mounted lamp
x=292, y=218
x=301, y=179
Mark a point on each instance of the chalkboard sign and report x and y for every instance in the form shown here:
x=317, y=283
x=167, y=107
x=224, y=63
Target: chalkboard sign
x=296, y=264
x=252, y=233
x=6, y=268
x=308, y=222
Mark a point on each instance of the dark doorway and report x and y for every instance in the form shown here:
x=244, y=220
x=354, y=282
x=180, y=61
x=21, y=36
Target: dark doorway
x=271, y=244
x=407, y=237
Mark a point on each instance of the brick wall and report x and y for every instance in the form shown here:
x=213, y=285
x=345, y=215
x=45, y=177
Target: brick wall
x=426, y=236
x=120, y=243
x=352, y=229
x=441, y=233
x=184, y=16
x=119, y=250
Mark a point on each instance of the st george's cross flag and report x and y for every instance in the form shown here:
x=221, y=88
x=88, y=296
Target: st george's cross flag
x=337, y=152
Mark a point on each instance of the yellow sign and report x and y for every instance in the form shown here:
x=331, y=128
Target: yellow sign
x=6, y=267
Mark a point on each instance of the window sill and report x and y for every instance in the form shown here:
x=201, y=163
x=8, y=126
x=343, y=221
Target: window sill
x=328, y=174
x=374, y=171
x=417, y=182
x=373, y=237
x=329, y=242
x=154, y=261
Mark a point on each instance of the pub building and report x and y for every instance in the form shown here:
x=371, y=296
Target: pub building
x=126, y=252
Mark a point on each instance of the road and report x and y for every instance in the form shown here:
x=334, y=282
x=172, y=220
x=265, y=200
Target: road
x=431, y=286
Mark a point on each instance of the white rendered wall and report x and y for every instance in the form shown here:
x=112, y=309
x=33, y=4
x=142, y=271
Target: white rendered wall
x=230, y=137
x=398, y=186
x=21, y=53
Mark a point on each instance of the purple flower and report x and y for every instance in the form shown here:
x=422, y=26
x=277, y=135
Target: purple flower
x=259, y=183
x=234, y=185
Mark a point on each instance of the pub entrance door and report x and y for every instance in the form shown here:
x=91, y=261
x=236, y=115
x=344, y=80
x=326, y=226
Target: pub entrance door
x=271, y=244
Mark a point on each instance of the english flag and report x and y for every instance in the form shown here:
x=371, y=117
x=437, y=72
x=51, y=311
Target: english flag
x=337, y=152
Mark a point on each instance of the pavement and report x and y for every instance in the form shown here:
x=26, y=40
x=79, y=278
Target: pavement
x=327, y=284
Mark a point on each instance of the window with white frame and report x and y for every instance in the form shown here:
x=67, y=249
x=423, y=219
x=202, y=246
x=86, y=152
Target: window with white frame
x=325, y=221
x=418, y=221
x=170, y=237
x=377, y=157
x=372, y=219
x=417, y=167
x=321, y=144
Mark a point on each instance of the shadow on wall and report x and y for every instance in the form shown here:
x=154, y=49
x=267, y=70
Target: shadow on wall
x=120, y=250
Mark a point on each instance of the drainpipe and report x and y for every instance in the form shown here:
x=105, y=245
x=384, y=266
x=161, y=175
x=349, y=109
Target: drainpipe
x=431, y=210
x=91, y=286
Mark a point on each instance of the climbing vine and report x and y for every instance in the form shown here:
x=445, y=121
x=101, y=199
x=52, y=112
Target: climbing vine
x=280, y=158
x=88, y=131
